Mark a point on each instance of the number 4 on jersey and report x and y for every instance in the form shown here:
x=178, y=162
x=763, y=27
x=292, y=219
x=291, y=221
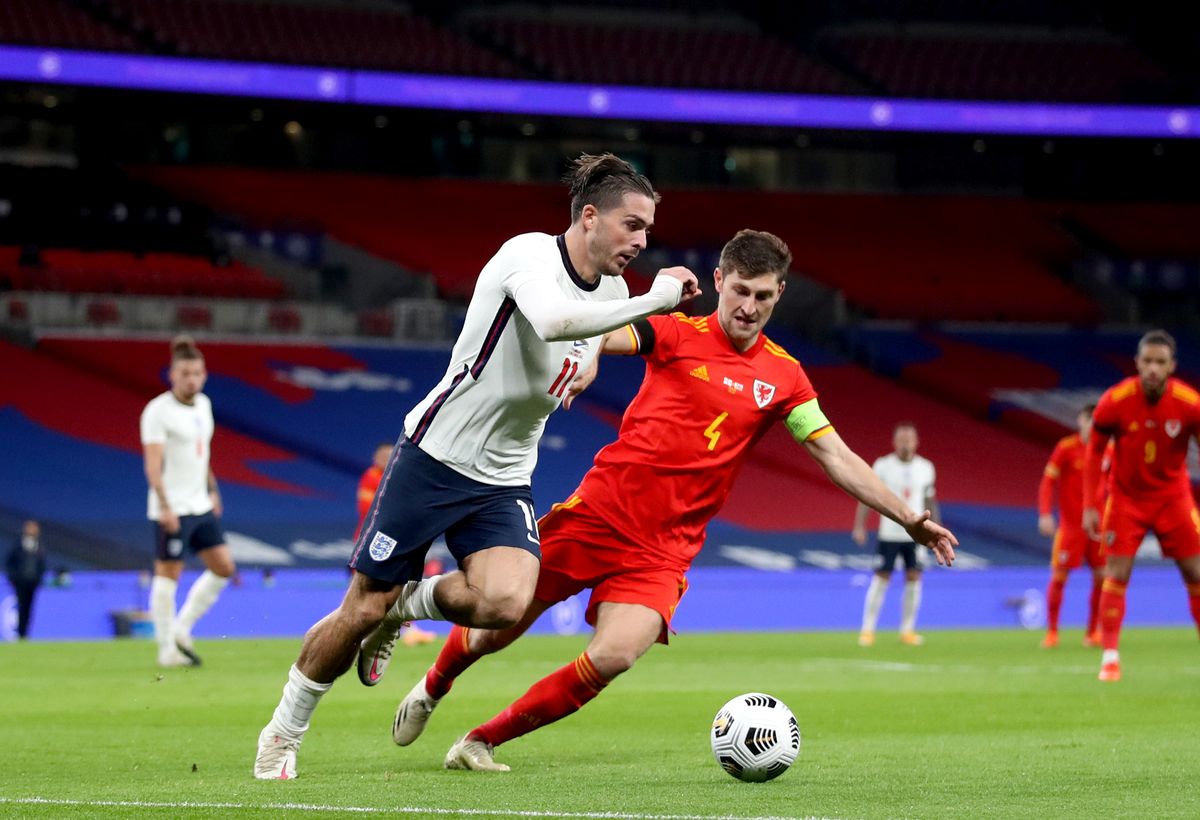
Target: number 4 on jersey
x=569, y=369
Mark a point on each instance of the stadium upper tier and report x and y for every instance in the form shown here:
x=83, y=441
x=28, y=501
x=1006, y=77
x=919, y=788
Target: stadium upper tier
x=918, y=48
x=894, y=257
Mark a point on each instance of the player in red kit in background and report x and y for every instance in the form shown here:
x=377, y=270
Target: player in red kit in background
x=713, y=386
x=368, y=484
x=1072, y=546
x=1151, y=419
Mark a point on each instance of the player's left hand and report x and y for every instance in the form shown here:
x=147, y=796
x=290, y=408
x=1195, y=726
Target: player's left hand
x=581, y=382
x=218, y=509
x=928, y=533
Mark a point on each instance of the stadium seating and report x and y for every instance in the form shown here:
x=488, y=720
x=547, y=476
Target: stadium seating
x=152, y=274
x=976, y=66
x=298, y=422
x=57, y=23
x=914, y=257
x=372, y=38
x=699, y=57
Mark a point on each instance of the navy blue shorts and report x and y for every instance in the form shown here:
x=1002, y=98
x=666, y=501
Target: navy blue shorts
x=420, y=498
x=889, y=551
x=196, y=533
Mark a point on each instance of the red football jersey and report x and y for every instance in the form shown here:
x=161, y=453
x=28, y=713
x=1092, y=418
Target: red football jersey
x=1065, y=468
x=701, y=407
x=1151, y=440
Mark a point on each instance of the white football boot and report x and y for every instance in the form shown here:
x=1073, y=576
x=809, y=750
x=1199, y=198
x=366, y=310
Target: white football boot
x=276, y=758
x=375, y=652
x=474, y=755
x=412, y=714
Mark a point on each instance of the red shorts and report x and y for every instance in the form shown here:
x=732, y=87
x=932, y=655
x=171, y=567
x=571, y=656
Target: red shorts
x=582, y=551
x=1174, y=520
x=1072, y=547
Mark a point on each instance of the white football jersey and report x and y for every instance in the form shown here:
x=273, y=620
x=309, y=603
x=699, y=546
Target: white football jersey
x=185, y=431
x=486, y=416
x=912, y=480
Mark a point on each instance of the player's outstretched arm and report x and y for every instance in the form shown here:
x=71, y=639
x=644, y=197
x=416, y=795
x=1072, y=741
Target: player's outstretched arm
x=853, y=475
x=555, y=318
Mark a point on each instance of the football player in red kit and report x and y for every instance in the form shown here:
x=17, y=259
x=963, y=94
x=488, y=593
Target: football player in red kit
x=1072, y=547
x=713, y=386
x=1151, y=418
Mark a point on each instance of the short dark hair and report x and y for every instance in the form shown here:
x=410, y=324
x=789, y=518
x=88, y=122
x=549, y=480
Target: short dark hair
x=1089, y=408
x=602, y=180
x=904, y=425
x=183, y=348
x=753, y=253
x=1158, y=337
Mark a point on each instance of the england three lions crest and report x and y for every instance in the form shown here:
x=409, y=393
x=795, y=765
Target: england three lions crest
x=763, y=393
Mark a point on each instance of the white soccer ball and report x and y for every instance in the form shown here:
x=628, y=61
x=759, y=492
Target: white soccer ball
x=755, y=737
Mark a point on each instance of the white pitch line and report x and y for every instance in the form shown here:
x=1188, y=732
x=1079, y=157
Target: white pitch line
x=425, y=810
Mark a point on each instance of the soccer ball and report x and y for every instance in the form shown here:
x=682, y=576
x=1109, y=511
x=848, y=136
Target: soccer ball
x=755, y=737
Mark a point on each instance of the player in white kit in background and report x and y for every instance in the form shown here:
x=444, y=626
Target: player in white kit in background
x=911, y=477
x=183, y=502
x=463, y=466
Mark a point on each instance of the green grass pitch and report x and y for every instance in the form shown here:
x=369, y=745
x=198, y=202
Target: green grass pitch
x=973, y=724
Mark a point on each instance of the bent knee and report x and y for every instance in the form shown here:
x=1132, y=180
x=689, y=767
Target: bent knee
x=614, y=660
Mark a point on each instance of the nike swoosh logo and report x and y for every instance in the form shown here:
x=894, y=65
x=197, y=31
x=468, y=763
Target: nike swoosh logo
x=373, y=674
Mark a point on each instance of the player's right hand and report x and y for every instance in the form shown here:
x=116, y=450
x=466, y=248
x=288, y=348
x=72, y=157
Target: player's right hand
x=169, y=521
x=1046, y=524
x=691, y=285
x=1091, y=523
x=930, y=534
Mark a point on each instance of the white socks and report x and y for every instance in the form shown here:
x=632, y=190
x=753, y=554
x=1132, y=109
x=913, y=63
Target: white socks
x=910, y=604
x=1110, y=656
x=419, y=604
x=200, y=598
x=874, y=602
x=162, y=611
x=300, y=697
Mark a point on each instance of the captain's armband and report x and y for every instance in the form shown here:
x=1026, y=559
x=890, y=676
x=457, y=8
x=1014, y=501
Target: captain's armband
x=807, y=422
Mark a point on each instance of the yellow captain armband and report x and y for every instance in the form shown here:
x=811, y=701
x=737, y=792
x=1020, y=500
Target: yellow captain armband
x=807, y=422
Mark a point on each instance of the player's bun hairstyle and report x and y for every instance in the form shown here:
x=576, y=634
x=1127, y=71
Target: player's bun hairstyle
x=1158, y=337
x=183, y=348
x=753, y=253
x=602, y=180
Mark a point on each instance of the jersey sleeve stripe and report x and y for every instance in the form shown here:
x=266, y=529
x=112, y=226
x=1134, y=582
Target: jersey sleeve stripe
x=427, y=419
x=824, y=431
x=634, y=338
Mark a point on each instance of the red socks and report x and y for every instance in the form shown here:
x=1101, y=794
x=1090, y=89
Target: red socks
x=553, y=697
x=1054, y=599
x=451, y=662
x=1112, y=611
x=1094, y=606
x=1194, y=602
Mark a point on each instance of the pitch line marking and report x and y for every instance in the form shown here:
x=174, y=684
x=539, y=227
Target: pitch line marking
x=422, y=810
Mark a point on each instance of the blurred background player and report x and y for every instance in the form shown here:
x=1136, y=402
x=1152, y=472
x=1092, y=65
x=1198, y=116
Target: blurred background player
x=1072, y=546
x=713, y=386
x=465, y=461
x=25, y=567
x=1151, y=418
x=912, y=478
x=368, y=484
x=183, y=502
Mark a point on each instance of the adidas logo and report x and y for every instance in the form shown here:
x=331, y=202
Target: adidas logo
x=701, y=372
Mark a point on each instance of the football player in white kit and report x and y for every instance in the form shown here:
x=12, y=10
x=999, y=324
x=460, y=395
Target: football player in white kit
x=911, y=477
x=463, y=466
x=183, y=502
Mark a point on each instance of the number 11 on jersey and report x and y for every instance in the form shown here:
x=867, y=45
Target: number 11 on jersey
x=569, y=369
